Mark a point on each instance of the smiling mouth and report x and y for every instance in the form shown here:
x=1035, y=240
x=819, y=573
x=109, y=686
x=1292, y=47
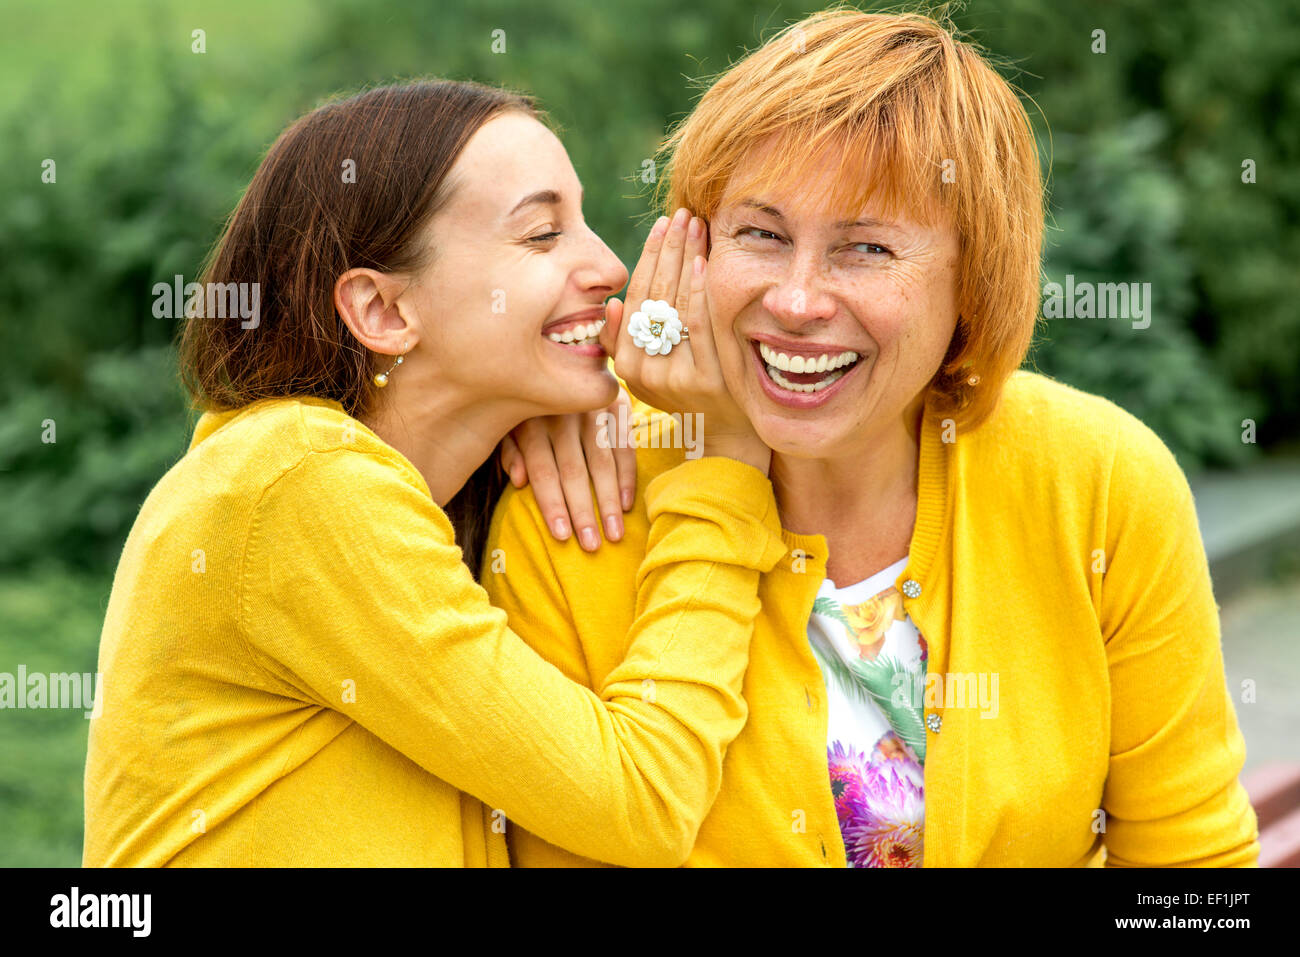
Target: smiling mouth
x=804, y=372
x=581, y=330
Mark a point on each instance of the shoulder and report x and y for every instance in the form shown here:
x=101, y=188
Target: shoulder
x=266, y=440
x=1031, y=401
x=303, y=453
x=661, y=440
x=1069, y=456
x=1049, y=424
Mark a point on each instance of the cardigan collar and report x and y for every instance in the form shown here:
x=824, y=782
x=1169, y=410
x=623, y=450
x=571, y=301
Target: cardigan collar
x=933, y=501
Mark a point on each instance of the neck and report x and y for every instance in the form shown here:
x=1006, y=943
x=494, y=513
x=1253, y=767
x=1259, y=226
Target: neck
x=862, y=500
x=444, y=436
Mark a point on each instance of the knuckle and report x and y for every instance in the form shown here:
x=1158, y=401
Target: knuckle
x=530, y=439
x=549, y=500
x=599, y=454
x=545, y=484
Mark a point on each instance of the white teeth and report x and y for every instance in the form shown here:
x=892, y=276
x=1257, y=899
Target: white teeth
x=843, y=359
x=822, y=363
x=582, y=335
x=780, y=360
x=784, y=383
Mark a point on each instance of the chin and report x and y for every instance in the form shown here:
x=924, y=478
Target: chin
x=579, y=391
x=804, y=425
x=798, y=439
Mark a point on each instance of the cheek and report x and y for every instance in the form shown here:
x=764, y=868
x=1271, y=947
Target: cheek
x=912, y=311
x=514, y=298
x=459, y=292
x=885, y=309
x=727, y=292
x=935, y=305
x=731, y=283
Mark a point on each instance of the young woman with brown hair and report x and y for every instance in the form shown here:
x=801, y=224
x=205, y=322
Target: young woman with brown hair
x=299, y=667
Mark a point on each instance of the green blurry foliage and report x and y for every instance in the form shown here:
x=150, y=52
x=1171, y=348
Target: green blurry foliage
x=1147, y=142
x=1119, y=218
x=144, y=177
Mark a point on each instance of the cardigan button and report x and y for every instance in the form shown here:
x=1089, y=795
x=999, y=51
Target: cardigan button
x=933, y=722
x=912, y=588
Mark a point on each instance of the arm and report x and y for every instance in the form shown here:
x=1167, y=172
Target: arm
x=529, y=591
x=352, y=579
x=1172, y=797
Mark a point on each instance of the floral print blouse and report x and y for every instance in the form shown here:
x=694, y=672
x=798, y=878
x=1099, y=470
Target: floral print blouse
x=873, y=662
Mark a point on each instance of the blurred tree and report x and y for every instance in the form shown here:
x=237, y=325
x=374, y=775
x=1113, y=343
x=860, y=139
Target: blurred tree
x=1149, y=138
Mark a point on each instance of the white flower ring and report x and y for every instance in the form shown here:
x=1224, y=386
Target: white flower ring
x=656, y=328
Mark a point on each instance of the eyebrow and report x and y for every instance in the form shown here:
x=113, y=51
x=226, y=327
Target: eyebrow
x=543, y=197
x=842, y=224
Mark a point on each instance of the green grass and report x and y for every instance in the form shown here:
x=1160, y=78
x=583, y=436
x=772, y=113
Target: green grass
x=51, y=623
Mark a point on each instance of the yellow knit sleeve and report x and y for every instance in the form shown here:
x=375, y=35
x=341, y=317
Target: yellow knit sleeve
x=1172, y=796
x=521, y=579
x=354, y=594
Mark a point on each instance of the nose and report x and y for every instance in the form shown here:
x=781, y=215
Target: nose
x=602, y=271
x=799, y=295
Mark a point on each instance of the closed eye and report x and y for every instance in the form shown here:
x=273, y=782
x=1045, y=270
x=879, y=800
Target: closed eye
x=545, y=237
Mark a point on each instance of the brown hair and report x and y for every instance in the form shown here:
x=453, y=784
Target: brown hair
x=922, y=123
x=303, y=222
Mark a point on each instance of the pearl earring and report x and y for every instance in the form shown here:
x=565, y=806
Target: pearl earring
x=381, y=378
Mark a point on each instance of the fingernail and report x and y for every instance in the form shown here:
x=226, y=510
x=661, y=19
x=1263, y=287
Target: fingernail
x=560, y=528
x=696, y=228
x=629, y=497
x=660, y=226
x=589, y=540
x=679, y=220
x=613, y=528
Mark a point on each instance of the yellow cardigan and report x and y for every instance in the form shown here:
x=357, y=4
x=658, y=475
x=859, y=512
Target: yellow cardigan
x=300, y=670
x=1056, y=546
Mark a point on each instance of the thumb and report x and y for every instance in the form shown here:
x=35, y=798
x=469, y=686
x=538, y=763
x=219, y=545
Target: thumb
x=513, y=463
x=613, y=325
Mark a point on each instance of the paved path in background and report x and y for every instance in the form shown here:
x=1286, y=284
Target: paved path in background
x=1237, y=510
x=1261, y=642
x=1247, y=519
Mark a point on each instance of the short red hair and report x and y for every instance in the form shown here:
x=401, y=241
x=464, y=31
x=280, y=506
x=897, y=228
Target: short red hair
x=922, y=123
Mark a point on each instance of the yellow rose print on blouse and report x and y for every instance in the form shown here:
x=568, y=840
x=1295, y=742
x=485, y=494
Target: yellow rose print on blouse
x=870, y=620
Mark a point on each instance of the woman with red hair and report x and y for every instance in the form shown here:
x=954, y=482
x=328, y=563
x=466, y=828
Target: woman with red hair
x=993, y=639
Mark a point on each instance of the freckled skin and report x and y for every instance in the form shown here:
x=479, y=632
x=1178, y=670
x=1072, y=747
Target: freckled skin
x=896, y=309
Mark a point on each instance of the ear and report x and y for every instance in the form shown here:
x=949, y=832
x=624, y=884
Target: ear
x=366, y=299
